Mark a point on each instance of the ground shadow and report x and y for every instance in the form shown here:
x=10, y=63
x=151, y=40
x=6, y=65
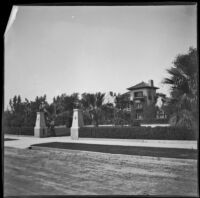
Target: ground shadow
x=9, y=139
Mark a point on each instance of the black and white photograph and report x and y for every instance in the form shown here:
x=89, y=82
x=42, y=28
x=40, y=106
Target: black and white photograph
x=101, y=100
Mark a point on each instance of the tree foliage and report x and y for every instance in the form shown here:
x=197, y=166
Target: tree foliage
x=183, y=81
x=92, y=105
x=23, y=113
x=122, y=101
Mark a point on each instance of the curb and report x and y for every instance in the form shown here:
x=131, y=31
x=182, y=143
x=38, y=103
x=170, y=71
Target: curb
x=145, y=144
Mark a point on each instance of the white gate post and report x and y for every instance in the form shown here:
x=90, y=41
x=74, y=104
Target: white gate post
x=77, y=122
x=40, y=129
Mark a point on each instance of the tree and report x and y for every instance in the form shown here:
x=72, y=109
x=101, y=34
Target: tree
x=122, y=101
x=121, y=115
x=64, y=118
x=107, y=113
x=149, y=112
x=62, y=108
x=16, y=116
x=7, y=118
x=183, y=82
x=92, y=104
x=65, y=102
x=35, y=107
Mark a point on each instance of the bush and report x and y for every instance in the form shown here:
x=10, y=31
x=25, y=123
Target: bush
x=156, y=133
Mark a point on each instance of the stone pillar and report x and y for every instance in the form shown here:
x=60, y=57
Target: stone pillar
x=40, y=129
x=77, y=122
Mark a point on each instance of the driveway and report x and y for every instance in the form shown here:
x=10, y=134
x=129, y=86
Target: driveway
x=27, y=141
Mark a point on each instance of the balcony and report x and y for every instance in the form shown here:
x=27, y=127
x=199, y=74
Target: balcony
x=138, y=98
x=140, y=107
x=127, y=109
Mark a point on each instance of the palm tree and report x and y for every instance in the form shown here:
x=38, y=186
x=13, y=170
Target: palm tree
x=183, y=82
x=92, y=103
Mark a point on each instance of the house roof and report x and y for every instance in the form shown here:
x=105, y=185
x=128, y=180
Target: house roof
x=141, y=85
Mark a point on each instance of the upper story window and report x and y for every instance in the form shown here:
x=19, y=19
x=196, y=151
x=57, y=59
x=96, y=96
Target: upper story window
x=138, y=106
x=139, y=116
x=138, y=94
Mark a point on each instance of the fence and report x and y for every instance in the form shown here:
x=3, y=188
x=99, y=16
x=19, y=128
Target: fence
x=62, y=130
x=19, y=130
x=59, y=131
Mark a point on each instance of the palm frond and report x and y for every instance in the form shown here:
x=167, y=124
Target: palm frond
x=183, y=118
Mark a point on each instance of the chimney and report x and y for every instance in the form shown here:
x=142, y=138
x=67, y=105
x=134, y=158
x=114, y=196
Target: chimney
x=151, y=83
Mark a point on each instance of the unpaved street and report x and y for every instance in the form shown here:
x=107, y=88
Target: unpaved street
x=36, y=172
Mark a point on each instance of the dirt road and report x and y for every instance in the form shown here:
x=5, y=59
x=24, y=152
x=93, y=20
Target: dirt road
x=35, y=172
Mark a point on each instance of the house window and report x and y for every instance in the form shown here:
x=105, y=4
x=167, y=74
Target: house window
x=139, y=116
x=138, y=106
x=138, y=94
x=161, y=115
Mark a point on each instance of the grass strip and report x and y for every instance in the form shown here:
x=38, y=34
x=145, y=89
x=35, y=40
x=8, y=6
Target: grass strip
x=127, y=150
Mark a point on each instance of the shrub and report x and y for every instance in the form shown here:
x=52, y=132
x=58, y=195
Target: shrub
x=156, y=133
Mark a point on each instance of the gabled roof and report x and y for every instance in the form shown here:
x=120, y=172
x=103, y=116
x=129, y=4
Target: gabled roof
x=141, y=85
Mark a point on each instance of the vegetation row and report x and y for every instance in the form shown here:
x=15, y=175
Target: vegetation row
x=181, y=109
x=156, y=133
x=153, y=133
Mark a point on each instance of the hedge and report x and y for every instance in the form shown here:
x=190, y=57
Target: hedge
x=19, y=130
x=156, y=133
x=154, y=121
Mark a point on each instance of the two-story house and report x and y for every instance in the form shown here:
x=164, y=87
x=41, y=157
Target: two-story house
x=142, y=95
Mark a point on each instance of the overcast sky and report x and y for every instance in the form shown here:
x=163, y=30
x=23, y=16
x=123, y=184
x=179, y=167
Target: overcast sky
x=55, y=50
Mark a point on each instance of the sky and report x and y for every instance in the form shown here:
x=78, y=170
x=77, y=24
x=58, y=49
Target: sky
x=66, y=49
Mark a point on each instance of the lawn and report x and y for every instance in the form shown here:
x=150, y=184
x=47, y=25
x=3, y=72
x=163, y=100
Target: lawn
x=128, y=150
x=74, y=172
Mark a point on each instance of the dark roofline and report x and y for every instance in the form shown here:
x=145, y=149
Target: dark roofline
x=135, y=88
x=142, y=85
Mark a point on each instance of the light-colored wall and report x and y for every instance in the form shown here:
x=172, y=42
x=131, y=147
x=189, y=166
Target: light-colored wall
x=155, y=125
